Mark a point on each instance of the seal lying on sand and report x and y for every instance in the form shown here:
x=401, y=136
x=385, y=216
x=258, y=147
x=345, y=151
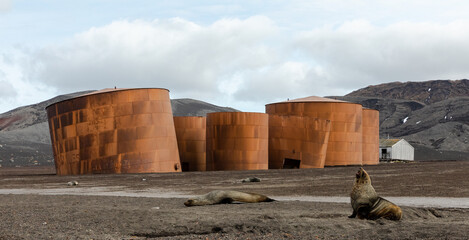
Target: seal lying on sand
x=367, y=204
x=221, y=196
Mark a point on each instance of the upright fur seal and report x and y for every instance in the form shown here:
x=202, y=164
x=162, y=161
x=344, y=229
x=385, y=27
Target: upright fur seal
x=222, y=196
x=367, y=204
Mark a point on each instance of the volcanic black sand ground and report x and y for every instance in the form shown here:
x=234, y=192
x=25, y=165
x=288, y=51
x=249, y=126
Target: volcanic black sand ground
x=36, y=204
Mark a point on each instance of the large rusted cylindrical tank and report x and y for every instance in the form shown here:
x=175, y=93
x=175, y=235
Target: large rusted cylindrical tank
x=370, y=122
x=190, y=133
x=237, y=141
x=114, y=131
x=345, y=139
x=297, y=142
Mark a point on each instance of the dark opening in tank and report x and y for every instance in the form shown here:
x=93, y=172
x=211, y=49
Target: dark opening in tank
x=289, y=163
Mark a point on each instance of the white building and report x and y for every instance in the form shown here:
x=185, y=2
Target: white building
x=395, y=149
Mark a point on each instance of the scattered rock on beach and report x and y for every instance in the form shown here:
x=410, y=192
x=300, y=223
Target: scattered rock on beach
x=251, y=179
x=72, y=183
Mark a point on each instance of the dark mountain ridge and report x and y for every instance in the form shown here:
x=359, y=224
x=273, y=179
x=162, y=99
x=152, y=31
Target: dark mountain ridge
x=433, y=115
x=427, y=92
x=192, y=107
x=22, y=117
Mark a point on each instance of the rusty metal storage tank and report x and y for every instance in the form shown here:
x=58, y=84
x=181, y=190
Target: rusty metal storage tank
x=190, y=133
x=345, y=139
x=114, y=131
x=297, y=142
x=370, y=122
x=237, y=141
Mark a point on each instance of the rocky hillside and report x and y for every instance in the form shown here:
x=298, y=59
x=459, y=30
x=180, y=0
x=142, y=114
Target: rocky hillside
x=24, y=131
x=432, y=115
x=192, y=107
x=428, y=92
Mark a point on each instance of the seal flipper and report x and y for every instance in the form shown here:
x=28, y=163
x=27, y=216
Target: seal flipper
x=226, y=200
x=354, y=214
x=363, y=212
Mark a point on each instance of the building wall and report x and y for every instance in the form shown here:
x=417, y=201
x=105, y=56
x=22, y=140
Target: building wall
x=345, y=139
x=114, y=131
x=402, y=150
x=190, y=133
x=237, y=141
x=302, y=139
x=370, y=122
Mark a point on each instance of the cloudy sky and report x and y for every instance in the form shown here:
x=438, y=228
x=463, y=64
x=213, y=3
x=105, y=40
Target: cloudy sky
x=242, y=54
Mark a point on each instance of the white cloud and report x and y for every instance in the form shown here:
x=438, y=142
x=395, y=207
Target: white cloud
x=231, y=62
x=16, y=90
x=8, y=93
x=243, y=63
x=356, y=53
x=279, y=82
x=189, y=59
x=7, y=90
x=5, y=5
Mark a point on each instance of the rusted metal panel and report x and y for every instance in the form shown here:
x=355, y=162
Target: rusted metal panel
x=190, y=133
x=237, y=141
x=370, y=123
x=345, y=139
x=114, y=131
x=303, y=139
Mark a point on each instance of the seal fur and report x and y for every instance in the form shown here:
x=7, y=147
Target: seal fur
x=228, y=196
x=367, y=204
